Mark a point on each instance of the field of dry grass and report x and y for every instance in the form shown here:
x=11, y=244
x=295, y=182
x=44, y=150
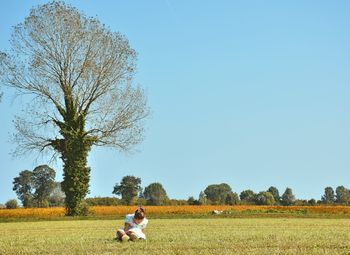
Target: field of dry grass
x=180, y=236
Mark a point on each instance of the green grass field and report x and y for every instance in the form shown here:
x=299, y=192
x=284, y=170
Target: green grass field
x=180, y=236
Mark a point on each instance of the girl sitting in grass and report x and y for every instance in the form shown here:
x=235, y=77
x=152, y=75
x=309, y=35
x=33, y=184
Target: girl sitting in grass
x=133, y=227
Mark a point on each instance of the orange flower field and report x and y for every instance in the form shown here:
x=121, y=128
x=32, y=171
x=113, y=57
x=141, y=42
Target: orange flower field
x=119, y=211
x=207, y=209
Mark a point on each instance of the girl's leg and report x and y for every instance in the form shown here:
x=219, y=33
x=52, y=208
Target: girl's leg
x=120, y=235
x=136, y=234
x=133, y=237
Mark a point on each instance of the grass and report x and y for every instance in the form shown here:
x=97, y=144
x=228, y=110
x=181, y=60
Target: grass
x=181, y=236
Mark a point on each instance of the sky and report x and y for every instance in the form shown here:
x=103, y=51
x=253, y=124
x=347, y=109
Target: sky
x=250, y=93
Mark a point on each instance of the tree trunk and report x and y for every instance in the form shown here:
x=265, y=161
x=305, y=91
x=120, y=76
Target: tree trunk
x=76, y=175
x=74, y=149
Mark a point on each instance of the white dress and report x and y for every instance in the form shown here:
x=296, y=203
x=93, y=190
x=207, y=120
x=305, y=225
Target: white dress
x=135, y=228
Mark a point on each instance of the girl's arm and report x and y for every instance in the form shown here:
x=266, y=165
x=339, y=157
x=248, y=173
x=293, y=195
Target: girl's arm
x=126, y=227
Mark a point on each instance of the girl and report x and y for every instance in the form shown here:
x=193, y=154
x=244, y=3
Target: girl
x=133, y=227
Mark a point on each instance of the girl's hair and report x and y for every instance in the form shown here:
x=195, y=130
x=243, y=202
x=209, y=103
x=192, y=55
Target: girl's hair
x=139, y=213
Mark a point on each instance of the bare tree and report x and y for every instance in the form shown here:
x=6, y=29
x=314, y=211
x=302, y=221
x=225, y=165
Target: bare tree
x=79, y=75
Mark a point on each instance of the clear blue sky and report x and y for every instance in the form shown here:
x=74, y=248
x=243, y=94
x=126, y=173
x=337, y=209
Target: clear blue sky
x=251, y=93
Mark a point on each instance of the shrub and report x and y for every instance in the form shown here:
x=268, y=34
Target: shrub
x=312, y=202
x=247, y=196
x=83, y=208
x=141, y=201
x=177, y=202
x=155, y=194
x=192, y=201
x=216, y=194
x=301, y=202
x=265, y=198
x=11, y=204
x=232, y=199
x=56, y=202
x=288, y=198
x=107, y=201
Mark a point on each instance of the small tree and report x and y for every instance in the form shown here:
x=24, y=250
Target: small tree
x=129, y=188
x=275, y=193
x=23, y=186
x=342, y=195
x=300, y=202
x=202, y=199
x=329, y=196
x=265, y=198
x=11, y=204
x=287, y=198
x=312, y=202
x=44, y=183
x=192, y=201
x=155, y=194
x=105, y=201
x=33, y=188
x=247, y=196
x=57, y=196
x=232, y=199
x=217, y=193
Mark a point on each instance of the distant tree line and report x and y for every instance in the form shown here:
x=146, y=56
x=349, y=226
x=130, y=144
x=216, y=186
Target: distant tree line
x=38, y=188
x=131, y=192
x=222, y=194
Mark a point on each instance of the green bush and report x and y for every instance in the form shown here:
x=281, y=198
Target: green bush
x=177, y=202
x=82, y=209
x=312, y=202
x=108, y=201
x=232, y=199
x=11, y=204
x=265, y=198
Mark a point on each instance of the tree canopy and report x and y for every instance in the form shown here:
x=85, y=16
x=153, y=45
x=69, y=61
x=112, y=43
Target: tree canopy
x=34, y=188
x=274, y=191
x=155, y=194
x=43, y=183
x=23, y=186
x=288, y=197
x=129, y=188
x=217, y=193
x=265, y=198
x=247, y=196
x=342, y=195
x=329, y=196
